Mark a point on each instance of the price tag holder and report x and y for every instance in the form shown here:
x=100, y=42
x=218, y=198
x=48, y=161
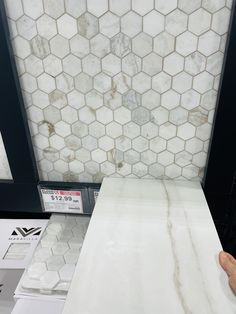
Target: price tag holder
x=93, y=195
x=64, y=199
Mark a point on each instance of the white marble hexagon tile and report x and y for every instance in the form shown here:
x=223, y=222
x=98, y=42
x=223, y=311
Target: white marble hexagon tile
x=53, y=263
x=119, y=87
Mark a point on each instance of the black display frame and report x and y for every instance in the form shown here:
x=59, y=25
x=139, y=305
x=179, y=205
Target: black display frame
x=19, y=194
x=220, y=175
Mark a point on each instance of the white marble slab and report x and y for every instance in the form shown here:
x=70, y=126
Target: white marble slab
x=151, y=248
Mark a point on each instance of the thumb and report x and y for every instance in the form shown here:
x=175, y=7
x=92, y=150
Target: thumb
x=232, y=283
x=227, y=263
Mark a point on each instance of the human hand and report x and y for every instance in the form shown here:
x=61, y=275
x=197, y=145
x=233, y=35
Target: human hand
x=228, y=263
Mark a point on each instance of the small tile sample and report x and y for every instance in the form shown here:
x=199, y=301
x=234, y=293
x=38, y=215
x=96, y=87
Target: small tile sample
x=54, y=260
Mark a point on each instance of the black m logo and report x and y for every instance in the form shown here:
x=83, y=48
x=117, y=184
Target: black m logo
x=25, y=232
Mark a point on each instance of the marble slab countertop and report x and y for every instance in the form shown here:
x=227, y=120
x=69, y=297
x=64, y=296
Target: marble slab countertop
x=151, y=247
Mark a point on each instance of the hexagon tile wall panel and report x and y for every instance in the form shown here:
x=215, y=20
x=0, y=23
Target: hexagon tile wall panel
x=119, y=87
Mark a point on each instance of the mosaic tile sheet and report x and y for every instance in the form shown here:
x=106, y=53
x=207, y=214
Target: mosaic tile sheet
x=53, y=263
x=119, y=87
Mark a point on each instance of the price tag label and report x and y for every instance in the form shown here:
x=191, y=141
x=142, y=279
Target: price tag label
x=96, y=194
x=62, y=201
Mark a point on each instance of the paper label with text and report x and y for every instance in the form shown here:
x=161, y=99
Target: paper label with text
x=62, y=201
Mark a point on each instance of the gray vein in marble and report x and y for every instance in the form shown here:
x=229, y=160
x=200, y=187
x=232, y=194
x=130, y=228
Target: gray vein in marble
x=177, y=280
x=176, y=275
x=133, y=64
x=197, y=261
x=125, y=81
x=194, y=282
x=120, y=45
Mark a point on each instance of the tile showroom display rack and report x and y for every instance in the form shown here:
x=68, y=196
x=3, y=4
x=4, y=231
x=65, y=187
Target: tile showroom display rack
x=151, y=247
x=218, y=180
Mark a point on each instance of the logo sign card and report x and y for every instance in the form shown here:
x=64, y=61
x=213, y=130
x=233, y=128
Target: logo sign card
x=19, y=238
x=62, y=201
x=25, y=232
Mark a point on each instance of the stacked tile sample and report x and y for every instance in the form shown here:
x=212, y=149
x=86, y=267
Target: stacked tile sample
x=54, y=260
x=121, y=88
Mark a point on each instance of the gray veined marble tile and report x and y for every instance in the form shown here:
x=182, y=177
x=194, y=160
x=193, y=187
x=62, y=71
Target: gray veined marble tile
x=46, y=83
x=111, y=64
x=149, y=130
x=189, y=6
x=109, y=24
x=120, y=7
x=56, y=98
x=178, y=116
x=83, y=83
x=131, y=156
x=161, y=82
x=96, y=8
x=114, y=129
x=79, y=46
x=34, y=65
x=87, y=25
x=142, y=44
x=152, y=64
x=40, y=47
x=121, y=83
x=75, y=8
x=176, y=22
x=100, y=45
x=26, y=27
x=131, y=24
x=67, y=26
x=140, y=144
x=208, y=43
x=161, y=230
x=131, y=99
x=97, y=129
x=120, y=45
x=72, y=65
x=131, y=64
x=140, y=115
x=46, y=27
x=54, y=9
x=142, y=8
x=153, y=23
